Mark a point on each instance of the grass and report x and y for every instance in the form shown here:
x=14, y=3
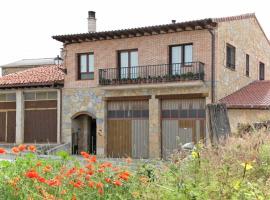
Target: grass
x=238, y=168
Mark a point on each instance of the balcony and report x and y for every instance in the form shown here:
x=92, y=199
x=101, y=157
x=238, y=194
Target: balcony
x=152, y=74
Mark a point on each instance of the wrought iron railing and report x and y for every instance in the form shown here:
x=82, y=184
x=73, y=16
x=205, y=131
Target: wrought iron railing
x=152, y=73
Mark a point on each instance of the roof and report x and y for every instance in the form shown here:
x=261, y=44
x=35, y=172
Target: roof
x=31, y=62
x=256, y=95
x=150, y=30
x=136, y=32
x=49, y=75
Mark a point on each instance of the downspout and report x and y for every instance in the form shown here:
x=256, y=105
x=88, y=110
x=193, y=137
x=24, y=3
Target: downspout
x=213, y=68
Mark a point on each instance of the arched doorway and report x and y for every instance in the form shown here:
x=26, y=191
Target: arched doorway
x=83, y=133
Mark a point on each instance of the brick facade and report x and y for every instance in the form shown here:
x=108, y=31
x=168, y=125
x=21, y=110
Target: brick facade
x=89, y=97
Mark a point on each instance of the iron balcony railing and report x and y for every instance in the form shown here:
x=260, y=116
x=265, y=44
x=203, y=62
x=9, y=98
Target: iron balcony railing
x=152, y=73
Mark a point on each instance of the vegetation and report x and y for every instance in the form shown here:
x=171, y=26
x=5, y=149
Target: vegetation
x=239, y=168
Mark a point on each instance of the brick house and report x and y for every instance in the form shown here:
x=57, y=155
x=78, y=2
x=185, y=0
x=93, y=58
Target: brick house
x=140, y=92
x=30, y=106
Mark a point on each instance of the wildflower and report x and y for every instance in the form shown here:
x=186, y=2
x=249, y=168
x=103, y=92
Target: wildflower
x=2, y=151
x=101, y=170
x=47, y=168
x=128, y=160
x=87, y=177
x=91, y=184
x=89, y=166
x=77, y=184
x=99, y=185
x=53, y=182
x=237, y=185
x=100, y=191
x=195, y=154
x=32, y=174
x=41, y=179
x=15, y=150
x=32, y=148
x=22, y=147
x=63, y=192
x=123, y=176
x=71, y=171
x=38, y=164
x=108, y=180
x=85, y=154
x=90, y=172
x=247, y=166
x=117, y=183
x=115, y=169
x=93, y=159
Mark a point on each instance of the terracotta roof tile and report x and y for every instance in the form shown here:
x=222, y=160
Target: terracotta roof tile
x=39, y=76
x=256, y=95
x=232, y=18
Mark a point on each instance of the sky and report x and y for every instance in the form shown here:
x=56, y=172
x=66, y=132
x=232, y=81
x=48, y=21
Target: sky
x=26, y=26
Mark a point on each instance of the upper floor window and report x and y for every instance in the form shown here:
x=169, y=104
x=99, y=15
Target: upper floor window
x=247, y=65
x=180, y=55
x=128, y=63
x=86, y=66
x=230, y=56
x=261, y=71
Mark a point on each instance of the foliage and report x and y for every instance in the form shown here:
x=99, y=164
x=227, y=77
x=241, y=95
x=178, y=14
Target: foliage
x=238, y=168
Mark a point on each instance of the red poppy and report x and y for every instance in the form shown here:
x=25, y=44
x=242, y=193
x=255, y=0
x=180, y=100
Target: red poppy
x=41, y=179
x=90, y=172
x=87, y=177
x=99, y=185
x=38, y=164
x=32, y=148
x=2, y=151
x=53, y=182
x=15, y=150
x=101, y=170
x=123, y=176
x=89, y=166
x=77, y=184
x=117, y=183
x=85, y=154
x=93, y=159
x=32, y=174
x=71, y=171
x=91, y=184
x=100, y=191
x=108, y=180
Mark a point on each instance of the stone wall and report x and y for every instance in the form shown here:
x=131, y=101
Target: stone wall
x=248, y=38
x=246, y=116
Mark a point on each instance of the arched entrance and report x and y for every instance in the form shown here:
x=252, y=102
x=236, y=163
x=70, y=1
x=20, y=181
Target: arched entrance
x=83, y=133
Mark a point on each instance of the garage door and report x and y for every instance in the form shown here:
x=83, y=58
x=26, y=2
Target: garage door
x=7, y=118
x=183, y=121
x=40, y=119
x=128, y=128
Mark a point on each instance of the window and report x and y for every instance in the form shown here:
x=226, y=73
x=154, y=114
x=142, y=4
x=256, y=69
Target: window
x=180, y=55
x=261, y=71
x=230, y=56
x=86, y=66
x=247, y=65
x=10, y=97
x=128, y=63
x=37, y=96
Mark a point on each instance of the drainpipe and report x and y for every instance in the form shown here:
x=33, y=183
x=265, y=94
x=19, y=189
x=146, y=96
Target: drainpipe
x=213, y=60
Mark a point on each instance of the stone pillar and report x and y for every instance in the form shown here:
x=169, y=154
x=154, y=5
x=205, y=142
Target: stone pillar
x=59, y=101
x=154, y=128
x=101, y=129
x=19, y=117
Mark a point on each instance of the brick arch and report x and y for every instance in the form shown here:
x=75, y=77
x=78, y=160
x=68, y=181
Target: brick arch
x=83, y=113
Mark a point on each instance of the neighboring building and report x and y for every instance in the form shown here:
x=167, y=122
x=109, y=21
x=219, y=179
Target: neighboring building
x=249, y=105
x=30, y=105
x=140, y=92
x=27, y=64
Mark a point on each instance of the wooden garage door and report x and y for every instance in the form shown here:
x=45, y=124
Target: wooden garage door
x=128, y=128
x=7, y=118
x=7, y=126
x=40, y=126
x=183, y=121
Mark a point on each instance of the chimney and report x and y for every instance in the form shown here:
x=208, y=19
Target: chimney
x=91, y=21
x=173, y=21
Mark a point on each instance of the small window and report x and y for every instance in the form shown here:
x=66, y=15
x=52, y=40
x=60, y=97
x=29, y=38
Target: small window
x=261, y=71
x=11, y=97
x=30, y=96
x=247, y=65
x=230, y=56
x=52, y=95
x=86, y=66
